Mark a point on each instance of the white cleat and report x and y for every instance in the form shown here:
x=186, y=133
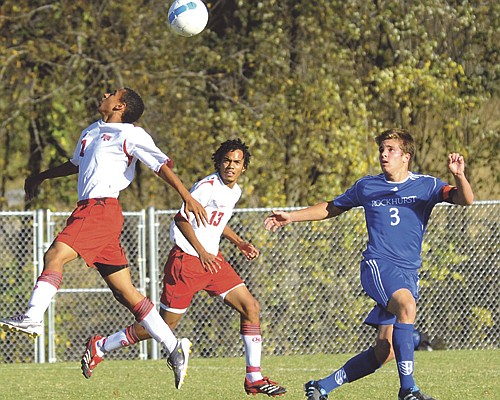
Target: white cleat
x=178, y=361
x=22, y=323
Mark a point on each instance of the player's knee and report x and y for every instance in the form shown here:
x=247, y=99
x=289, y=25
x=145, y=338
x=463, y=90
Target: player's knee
x=119, y=296
x=255, y=307
x=251, y=309
x=403, y=305
x=128, y=297
x=172, y=321
x=172, y=324
x=54, y=259
x=408, y=312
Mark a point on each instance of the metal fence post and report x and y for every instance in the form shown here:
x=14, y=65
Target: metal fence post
x=141, y=246
x=51, y=342
x=39, y=249
x=153, y=268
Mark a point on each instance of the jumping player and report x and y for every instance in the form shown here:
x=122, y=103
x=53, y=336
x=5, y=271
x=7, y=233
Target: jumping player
x=397, y=206
x=195, y=263
x=105, y=159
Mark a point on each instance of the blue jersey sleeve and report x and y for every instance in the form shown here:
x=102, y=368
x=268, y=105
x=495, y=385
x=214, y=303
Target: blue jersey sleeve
x=396, y=214
x=349, y=199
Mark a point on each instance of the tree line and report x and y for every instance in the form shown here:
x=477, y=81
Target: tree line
x=307, y=85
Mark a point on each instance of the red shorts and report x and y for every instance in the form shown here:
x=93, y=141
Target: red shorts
x=184, y=276
x=93, y=230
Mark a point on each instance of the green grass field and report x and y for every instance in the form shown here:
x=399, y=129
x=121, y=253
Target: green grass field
x=447, y=375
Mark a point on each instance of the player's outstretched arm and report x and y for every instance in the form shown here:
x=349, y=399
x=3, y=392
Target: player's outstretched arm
x=248, y=249
x=190, y=204
x=33, y=181
x=317, y=212
x=277, y=220
x=464, y=195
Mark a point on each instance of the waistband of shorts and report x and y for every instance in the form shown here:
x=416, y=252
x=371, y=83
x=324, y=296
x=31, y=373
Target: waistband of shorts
x=98, y=200
x=177, y=249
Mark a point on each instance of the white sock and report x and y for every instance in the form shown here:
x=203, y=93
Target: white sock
x=114, y=341
x=40, y=300
x=159, y=330
x=253, y=353
x=124, y=338
x=99, y=346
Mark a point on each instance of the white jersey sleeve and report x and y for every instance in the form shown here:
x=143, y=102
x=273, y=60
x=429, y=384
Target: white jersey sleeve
x=141, y=146
x=106, y=155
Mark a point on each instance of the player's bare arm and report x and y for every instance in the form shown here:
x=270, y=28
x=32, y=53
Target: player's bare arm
x=210, y=262
x=33, y=181
x=248, y=249
x=317, y=212
x=464, y=195
x=190, y=204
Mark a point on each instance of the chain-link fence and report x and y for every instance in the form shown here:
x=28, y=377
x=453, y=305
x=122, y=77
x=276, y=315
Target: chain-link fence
x=19, y=239
x=306, y=280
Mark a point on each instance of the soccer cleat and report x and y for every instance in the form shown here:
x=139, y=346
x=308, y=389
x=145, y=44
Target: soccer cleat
x=413, y=393
x=90, y=358
x=22, y=323
x=178, y=361
x=264, y=386
x=314, y=391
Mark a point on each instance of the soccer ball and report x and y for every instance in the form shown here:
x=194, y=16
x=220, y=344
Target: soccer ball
x=187, y=17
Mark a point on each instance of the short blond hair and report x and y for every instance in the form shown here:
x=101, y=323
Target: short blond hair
x=407, y=142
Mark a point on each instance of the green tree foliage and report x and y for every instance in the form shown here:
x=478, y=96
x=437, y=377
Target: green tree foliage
x=306, y=84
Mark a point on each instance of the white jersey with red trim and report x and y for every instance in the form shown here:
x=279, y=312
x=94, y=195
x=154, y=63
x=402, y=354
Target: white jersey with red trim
x=219, y=201
x=106, y=155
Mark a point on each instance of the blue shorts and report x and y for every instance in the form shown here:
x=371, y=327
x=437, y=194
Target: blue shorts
x=380, y=279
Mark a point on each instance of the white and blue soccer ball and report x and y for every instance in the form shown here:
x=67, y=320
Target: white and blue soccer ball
x=188, y=17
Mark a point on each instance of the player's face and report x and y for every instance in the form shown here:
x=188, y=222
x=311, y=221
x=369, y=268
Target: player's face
x=392, y=159
x=109, y=101
x=231, y=167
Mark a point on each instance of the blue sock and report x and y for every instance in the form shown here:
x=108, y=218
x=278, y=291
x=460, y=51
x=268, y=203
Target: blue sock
x=402, y=342
x=357, y=367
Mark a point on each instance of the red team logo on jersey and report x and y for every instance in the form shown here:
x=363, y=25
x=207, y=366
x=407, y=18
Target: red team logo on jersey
x=106, y=137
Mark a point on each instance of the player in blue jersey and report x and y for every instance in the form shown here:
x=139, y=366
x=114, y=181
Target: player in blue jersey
x=397, y=206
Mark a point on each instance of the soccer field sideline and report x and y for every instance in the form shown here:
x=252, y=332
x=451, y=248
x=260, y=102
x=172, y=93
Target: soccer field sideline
x=447, y=375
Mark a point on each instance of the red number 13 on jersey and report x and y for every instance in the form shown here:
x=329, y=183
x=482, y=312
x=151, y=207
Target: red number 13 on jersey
x=215, y=218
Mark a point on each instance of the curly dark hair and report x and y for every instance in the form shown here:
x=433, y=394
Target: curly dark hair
x=135, y=105
x=231, y=145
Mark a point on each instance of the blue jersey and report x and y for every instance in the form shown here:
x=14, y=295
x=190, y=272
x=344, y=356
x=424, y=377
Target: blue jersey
x=396, y=214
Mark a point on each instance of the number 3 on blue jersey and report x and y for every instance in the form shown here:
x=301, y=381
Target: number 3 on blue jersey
x=395, y=220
